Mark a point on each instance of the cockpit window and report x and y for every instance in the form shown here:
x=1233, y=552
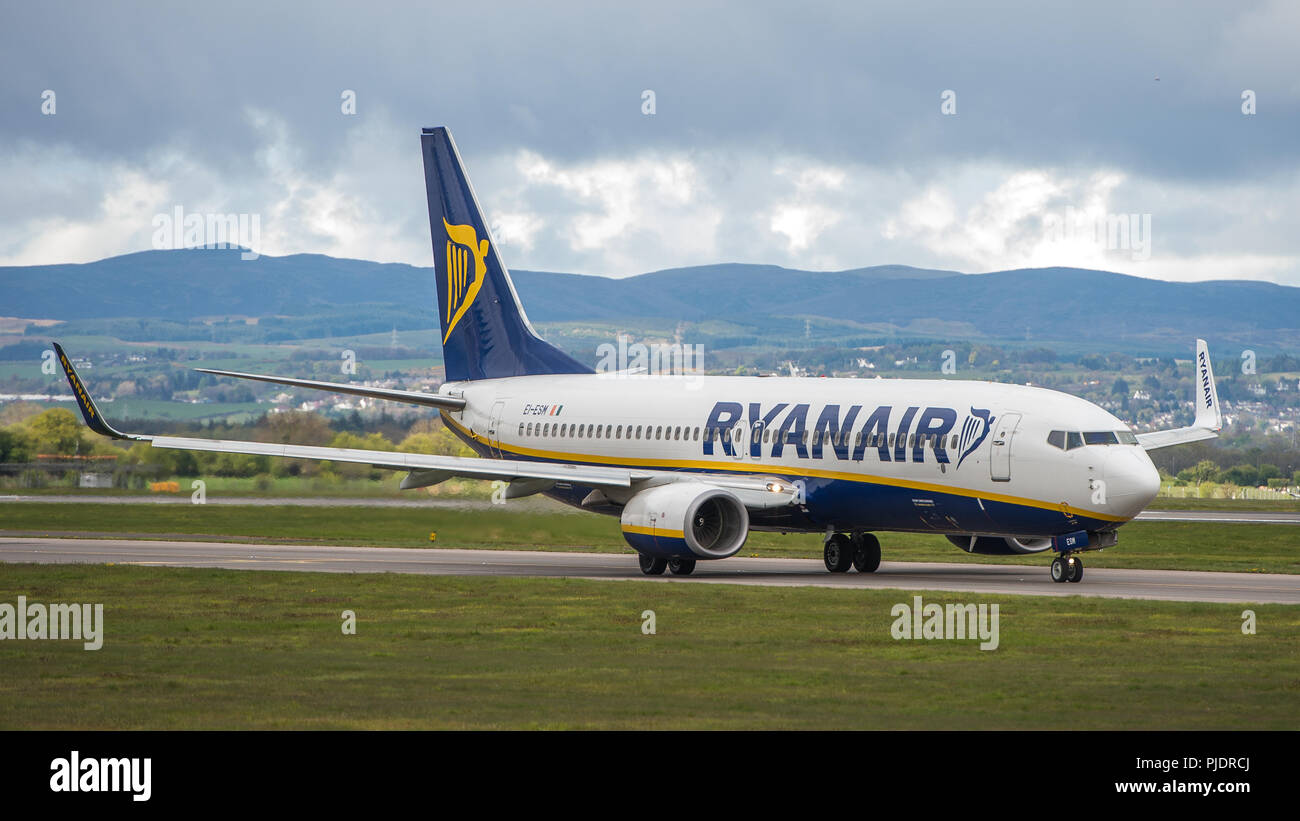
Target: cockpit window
x=1069, y=440
x=1100, y=437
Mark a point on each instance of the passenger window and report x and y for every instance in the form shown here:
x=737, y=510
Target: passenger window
x=521, y=428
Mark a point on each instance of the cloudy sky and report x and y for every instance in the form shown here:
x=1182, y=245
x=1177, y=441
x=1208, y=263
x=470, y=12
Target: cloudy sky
x=806, y=135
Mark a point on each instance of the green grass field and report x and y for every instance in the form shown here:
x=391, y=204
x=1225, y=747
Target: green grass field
x=1261, y=505
x=189, y=648
x=1151, y=545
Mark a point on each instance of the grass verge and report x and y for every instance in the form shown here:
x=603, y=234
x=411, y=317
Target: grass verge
x=205, y=649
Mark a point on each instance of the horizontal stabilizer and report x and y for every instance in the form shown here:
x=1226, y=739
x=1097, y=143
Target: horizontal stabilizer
x=432, y=400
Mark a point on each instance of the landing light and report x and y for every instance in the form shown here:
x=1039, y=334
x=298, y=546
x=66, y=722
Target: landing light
x=776, y=487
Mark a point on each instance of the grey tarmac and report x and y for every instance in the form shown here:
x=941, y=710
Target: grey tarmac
x=540, y=504
x=1032, y=580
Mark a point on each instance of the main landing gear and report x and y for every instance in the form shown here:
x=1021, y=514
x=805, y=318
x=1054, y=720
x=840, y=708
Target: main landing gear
x=860, y=550
x=655, y=566
x=1067, y=568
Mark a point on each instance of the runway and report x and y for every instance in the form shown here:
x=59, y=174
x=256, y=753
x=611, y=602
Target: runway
x=1032, y=580
x=537, y=504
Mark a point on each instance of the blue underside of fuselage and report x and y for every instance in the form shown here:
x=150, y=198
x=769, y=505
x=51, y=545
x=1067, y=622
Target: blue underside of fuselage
x=846, y=505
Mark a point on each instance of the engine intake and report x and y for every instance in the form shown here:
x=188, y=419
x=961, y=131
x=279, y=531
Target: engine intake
x=688, y=519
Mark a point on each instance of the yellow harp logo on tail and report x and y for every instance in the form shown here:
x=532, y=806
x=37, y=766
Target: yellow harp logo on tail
x=463, y=243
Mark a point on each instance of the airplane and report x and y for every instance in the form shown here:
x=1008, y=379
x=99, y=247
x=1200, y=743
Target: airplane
x=691, y=463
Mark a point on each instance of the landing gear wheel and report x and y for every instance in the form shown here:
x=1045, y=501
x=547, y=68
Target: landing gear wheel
x=866, y=556
x=838, y=553
x=1060, y=572
x=1076, y=566
x=681, y=567
x=652, y=565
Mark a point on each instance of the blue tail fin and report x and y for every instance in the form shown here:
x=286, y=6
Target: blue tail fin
x=485, y=332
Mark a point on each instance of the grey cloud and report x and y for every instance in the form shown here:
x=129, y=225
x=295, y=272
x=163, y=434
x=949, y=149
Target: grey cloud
x=168, y=90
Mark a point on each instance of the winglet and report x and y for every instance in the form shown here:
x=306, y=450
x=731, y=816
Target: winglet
x=1208, y=412
x=94, y=419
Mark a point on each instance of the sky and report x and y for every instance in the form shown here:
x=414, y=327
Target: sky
x=1155, y=139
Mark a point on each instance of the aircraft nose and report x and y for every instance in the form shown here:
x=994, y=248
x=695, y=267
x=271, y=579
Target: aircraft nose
x=1131, y=480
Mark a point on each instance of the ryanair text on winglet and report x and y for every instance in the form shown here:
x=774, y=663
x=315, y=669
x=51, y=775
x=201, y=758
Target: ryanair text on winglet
x=82, y=397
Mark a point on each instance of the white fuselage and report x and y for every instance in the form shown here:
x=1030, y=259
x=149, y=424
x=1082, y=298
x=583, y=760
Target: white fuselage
x=893, y=454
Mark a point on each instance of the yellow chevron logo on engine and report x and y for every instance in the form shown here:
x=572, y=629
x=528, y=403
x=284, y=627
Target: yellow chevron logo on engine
x=463, y=243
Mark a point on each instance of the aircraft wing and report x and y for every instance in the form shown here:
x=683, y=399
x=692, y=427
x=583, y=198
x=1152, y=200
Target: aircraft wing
x=427, y=469
x=1209, y=416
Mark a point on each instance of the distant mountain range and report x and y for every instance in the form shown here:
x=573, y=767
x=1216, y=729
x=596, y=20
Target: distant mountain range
x=1042, y=303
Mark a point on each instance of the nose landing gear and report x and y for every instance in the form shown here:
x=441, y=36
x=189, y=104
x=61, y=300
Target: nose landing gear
x=1067, y=568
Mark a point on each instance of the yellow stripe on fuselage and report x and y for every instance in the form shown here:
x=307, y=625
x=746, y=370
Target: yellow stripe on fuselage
x=741, y=467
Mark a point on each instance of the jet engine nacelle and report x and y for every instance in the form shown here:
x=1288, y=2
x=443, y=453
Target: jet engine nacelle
x=998, y=546
x=688, y=520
